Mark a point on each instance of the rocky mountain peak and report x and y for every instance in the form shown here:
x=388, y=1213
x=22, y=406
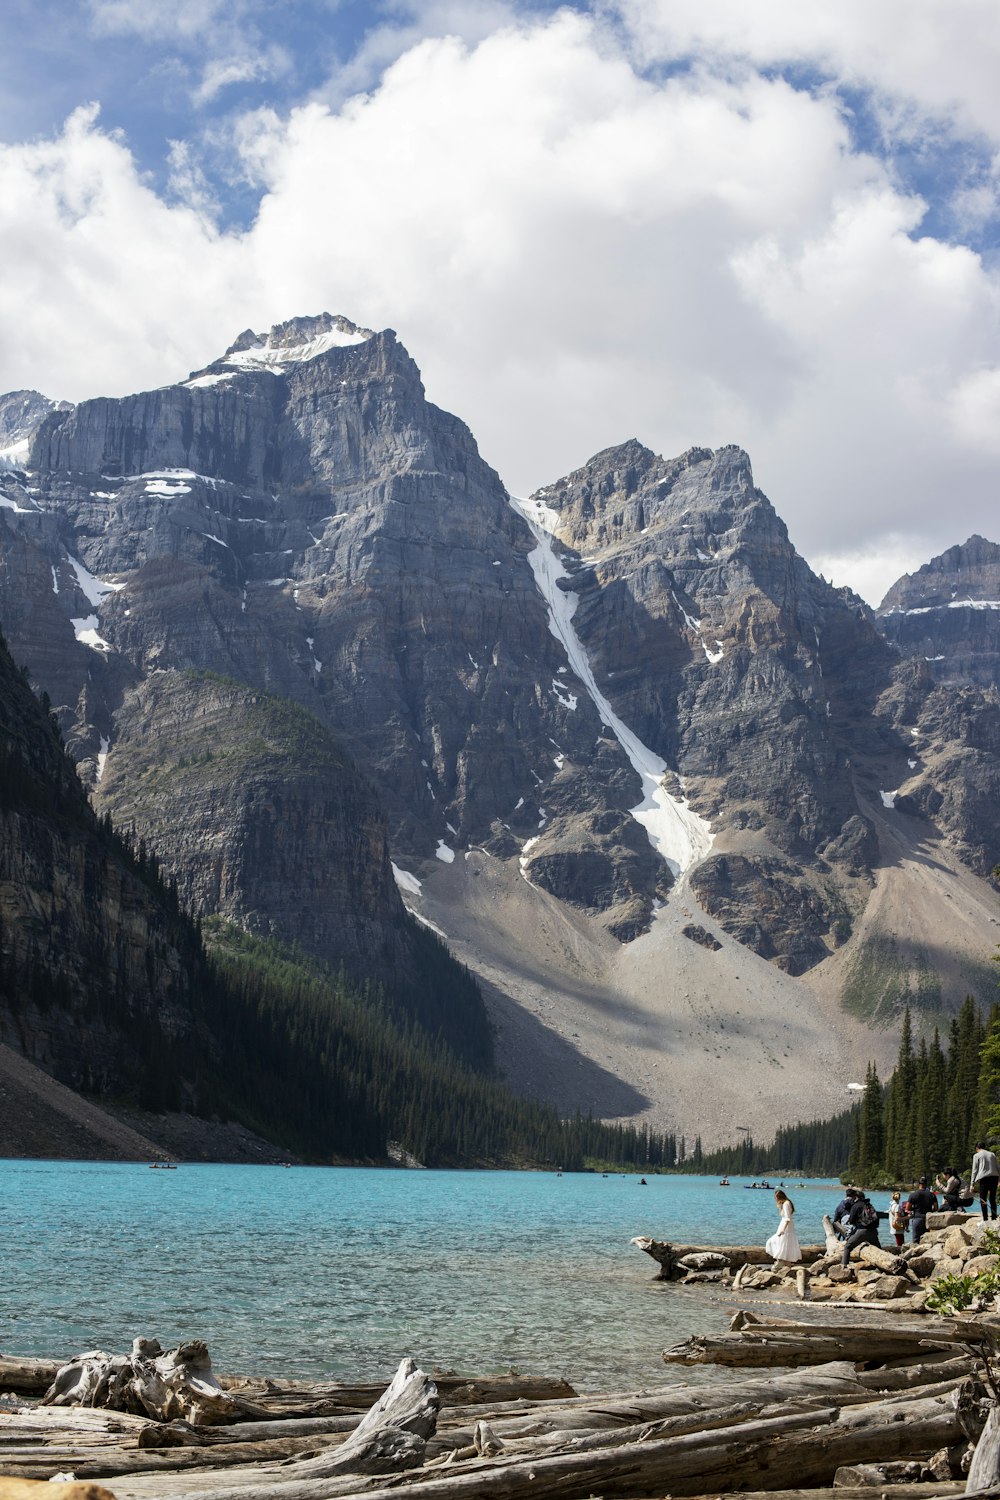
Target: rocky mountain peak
x=21, y=414
x=969, y=572
x=292, y=342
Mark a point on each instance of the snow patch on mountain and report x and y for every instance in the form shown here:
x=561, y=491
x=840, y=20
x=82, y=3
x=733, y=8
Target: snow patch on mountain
x=85, y=630
x=22, y=510
x=15, y=455
x=266, y=355
x=678, y=835
x=92, y=589
x=405, y=881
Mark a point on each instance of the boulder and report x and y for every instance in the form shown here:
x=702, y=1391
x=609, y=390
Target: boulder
x=947, y=1267
x=888, y=1287
x=956, y=1241
x=946, y=1219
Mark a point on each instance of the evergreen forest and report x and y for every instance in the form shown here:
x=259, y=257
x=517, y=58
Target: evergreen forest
x=940, y=1100
x=223, y=1025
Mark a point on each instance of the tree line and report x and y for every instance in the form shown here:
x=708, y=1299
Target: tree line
x=942, y=1097
x=325, y=1065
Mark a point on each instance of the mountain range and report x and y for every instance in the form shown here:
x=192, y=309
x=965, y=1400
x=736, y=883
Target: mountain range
x=700, y=823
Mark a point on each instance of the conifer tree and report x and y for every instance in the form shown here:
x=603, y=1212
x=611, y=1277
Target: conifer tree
x=871, y=1129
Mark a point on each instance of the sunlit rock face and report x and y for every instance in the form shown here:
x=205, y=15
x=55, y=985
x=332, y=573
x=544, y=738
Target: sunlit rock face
x=944, y=623
x=627, y=680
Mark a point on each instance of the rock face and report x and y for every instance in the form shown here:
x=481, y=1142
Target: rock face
x=266, y=822
x=948, y=613
x=944, y=621
x=740, y=668
x=238, y=588
x=299, y=518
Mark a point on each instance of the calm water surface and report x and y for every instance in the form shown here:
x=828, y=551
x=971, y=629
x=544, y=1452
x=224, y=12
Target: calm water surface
x=313, y=1272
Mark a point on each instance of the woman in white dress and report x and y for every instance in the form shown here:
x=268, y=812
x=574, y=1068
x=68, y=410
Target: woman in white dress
x=784, y=1242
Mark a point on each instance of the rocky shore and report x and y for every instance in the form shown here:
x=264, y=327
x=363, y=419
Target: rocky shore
x=954, y=1245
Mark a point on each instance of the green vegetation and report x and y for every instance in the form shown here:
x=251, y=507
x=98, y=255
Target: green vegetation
x=234, y=1027
x=954, y=1294
x=938, y=1103
x=880, y=984
x=814, y=1146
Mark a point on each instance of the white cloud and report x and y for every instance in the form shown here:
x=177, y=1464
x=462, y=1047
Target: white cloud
x=939, y=59
x=250, y=66
x=106, y=289
x=575, y=254
x=164, y=20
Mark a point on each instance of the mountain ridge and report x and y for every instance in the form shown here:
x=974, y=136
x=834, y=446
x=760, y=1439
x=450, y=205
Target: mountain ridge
x=297, y=517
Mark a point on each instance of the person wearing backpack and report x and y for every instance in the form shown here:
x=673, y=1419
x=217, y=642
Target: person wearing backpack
x=863, y=1223
x=921, y=1202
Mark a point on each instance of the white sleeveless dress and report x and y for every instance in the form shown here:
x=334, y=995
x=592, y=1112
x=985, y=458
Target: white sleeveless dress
x=785, y=1246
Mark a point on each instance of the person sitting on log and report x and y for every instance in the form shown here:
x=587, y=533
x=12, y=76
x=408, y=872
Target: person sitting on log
x=862, y=1222
x=921, y=1203
x=841, y=1212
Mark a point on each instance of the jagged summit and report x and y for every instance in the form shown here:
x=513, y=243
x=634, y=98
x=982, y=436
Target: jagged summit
x=530, y=687
x=21, y=414
x=290, y=343
x=965, y=574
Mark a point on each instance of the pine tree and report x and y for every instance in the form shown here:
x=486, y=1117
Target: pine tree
x=871, y=1129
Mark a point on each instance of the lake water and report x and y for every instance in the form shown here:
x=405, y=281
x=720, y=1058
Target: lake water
x=336, y=1273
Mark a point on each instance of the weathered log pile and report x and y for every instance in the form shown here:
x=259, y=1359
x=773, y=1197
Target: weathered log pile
x=952, y=1246
x=885, y=1403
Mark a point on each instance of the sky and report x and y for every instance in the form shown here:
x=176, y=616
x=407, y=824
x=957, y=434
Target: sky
x=693, y=222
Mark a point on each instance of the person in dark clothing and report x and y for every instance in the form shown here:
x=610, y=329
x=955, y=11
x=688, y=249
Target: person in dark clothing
x=922, y=1202
x=985, y=1177
x=841, y=1212
x=862, y=1226
x=952, y=1196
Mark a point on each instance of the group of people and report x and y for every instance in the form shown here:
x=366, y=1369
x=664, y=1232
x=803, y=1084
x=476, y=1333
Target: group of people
x=856, y=1219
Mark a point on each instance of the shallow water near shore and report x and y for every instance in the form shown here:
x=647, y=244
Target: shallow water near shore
x=337, y=1272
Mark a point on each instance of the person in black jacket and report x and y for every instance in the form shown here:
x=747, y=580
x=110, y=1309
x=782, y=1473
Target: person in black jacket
x=841, y=1212
x=922, y=1202
x=862, y=1223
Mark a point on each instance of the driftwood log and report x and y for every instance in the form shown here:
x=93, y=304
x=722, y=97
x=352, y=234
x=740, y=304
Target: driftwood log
x=147, y=1382
x=777, y=1342
x=898, y=1417
x=670, y=1257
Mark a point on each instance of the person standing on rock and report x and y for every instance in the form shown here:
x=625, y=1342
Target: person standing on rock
x=897, y=1219
x=985, y=1176
x=862, y=1226
x=783, y=1244
x=921, y=1202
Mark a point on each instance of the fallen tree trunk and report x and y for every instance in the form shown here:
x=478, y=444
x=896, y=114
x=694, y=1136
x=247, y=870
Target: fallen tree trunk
x=681, y=1466
x=291, y=1398
x=668, y=1256
x=27, y=1377
x=794, y=1344
x=394, y=1433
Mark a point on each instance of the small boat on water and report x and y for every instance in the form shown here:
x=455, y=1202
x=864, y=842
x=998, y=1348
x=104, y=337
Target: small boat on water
x=163, y=1166
x=724, y=1182
x=764, y=1184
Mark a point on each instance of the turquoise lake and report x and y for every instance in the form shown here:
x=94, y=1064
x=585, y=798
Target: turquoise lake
x=336, y=1273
